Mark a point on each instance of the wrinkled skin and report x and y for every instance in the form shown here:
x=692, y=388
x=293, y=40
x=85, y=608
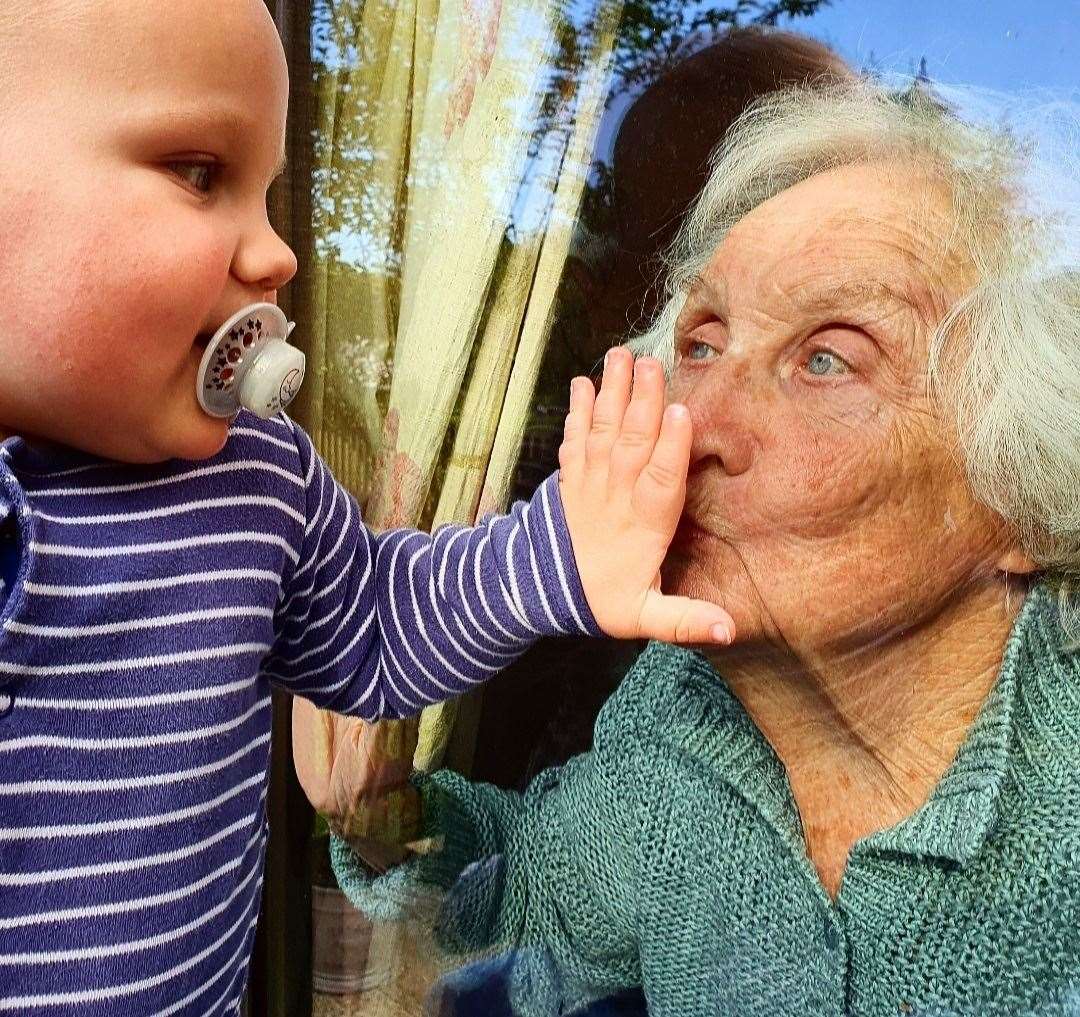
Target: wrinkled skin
x=835, y=477
x=827, y=509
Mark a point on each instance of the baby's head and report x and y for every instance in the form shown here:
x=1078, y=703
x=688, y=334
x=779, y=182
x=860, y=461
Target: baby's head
x=140, y=139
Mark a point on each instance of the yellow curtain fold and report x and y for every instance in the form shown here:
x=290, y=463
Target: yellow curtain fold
x=445, y=194
x=495, y=411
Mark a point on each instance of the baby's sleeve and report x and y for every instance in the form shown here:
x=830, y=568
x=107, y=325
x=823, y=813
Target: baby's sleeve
x=380, y=626
x=550, y=876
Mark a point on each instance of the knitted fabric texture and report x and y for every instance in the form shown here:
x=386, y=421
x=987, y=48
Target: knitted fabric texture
x=672, y=856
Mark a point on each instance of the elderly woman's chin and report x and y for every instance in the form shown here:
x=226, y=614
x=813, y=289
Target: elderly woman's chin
x=856, y=593
x=720, y=577
x=706, y=567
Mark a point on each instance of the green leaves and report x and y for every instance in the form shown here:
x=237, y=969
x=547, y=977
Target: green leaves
x=652, y=32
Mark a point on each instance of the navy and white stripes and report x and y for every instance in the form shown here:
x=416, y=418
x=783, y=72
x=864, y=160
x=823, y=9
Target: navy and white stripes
x=152, y=608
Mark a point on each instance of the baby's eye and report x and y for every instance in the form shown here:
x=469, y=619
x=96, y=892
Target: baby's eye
x=200, y=175
x=822, y=362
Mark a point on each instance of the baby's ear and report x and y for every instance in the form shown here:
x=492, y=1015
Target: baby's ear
x=1016, y=562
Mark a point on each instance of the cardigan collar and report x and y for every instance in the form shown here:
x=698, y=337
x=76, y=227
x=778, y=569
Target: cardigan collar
x=960, y=812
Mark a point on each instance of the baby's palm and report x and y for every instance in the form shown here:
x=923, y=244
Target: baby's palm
x=622, y=479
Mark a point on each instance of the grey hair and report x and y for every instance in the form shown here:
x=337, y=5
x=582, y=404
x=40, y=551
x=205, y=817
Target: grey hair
x=1004, y=363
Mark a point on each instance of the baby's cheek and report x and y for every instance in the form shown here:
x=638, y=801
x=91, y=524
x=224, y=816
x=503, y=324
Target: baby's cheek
x=156, y=292
x=41, y=268
x=202, y=259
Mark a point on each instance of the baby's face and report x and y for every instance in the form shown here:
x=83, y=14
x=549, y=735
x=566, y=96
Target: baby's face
x=140, y=138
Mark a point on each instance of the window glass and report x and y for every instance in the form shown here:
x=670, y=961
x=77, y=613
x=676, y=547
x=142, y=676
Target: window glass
x=865, y=807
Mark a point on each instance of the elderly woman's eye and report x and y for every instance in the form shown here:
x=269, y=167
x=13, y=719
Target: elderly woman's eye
x=822, y=362
x=699, y=351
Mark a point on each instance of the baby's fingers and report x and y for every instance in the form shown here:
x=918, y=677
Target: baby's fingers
x=684, y=620
x=661, y=488
x=640, y=426
x=576, y=428
x=609, y=409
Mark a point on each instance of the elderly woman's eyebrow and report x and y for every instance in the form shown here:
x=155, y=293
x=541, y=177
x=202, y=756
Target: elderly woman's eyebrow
x=704, y=292
x=848, y=296
x=698, y=283
x=848, y=291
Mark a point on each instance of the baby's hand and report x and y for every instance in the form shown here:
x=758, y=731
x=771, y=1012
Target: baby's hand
x=623, y=464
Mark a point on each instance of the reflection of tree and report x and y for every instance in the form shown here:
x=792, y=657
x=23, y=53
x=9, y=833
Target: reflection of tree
x=653, y=32
x=355, y=213
x=652, y=36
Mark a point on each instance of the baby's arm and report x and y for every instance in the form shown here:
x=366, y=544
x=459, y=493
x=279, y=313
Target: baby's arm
x=380, y=626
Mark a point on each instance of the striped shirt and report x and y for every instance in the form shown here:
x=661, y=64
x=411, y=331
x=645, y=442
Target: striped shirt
x=152, y=608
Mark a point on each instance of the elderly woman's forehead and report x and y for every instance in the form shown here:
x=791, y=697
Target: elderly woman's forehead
x=853, y=233
x=859, y=201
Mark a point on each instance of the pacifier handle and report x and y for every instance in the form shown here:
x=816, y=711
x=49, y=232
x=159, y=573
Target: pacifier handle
x=248, y=363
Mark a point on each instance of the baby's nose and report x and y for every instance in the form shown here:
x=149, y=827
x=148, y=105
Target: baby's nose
x=264, y=260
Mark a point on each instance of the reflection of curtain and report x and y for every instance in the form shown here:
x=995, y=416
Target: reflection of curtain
x=442, y=220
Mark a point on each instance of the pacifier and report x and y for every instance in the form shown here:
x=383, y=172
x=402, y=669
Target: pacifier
x=249, y=363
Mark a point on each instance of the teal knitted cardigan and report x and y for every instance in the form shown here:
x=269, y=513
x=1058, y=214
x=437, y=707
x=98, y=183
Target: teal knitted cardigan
x=671, y=856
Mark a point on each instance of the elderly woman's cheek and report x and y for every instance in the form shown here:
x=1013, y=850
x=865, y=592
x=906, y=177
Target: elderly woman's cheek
x=930, y=518
x=817, y=462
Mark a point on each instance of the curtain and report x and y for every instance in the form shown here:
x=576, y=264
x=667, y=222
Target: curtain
x=439, y=150
x=447, y=177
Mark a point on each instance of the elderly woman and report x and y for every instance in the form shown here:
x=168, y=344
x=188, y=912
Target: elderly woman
x=869, y=803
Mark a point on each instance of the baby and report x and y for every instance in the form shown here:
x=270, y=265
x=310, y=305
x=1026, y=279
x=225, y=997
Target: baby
x=163, y=566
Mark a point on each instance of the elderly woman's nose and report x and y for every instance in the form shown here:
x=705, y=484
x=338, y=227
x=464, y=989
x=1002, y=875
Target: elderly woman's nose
x=721, y=411
x=720, y=434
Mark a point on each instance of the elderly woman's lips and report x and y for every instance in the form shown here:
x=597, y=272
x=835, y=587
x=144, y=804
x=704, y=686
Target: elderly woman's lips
x=689, y=532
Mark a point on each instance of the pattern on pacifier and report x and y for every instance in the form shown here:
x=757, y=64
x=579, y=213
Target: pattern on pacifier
x=230, y=354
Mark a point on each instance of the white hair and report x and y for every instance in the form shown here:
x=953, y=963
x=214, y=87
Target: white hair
x=1004, y=363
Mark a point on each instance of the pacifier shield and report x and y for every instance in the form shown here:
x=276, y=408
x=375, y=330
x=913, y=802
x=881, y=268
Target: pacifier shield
x=249, y=363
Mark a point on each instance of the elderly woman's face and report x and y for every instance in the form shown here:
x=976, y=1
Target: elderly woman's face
x=825, y=508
